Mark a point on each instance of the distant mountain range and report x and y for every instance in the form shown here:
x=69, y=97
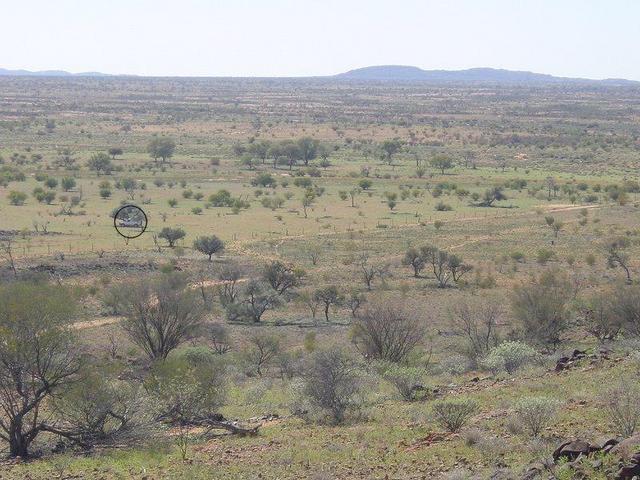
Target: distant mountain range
x=402, y=73
x=48, y=73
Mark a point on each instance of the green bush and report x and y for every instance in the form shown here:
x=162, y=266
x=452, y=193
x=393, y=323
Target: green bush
x=453, y=414
x=536, y=413
x=408, y=381
x=509, y=357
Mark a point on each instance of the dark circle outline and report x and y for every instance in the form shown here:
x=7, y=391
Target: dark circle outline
x=115, y=217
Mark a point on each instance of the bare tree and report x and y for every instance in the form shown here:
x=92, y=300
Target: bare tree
x=230, y=275
x=370, y=272
x=355, y=300
x=332, y=382
x=617, y=256
x=438, y=260
x=219, y=337
x=477, y=324
x=261, y=351
x=7, y=248
x=160, y=316
x=387, y=331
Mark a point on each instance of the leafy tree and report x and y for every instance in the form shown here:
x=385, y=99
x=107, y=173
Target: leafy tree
x=38, y=358
x=161, y=147
x=115, y=151
x=259, y=150
x=415, y=260
x=162, y=314
x=308, y=198
x=208, y=245
x=328, y=296
x=282, y=277
x=491, y=196
x=263, y=180
x=17, y=198
x=365, y=184
x=255, y=303
x=542, y=307
x=308, y=148
x=171, y=235
x=68, y=183
x=390, y=148
x=442, y=163
x=100, y=163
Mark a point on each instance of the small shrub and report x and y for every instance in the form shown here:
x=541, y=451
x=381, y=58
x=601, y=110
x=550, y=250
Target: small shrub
x=509, y=357
x=408, y=381
x=455, y=413
x=623, y=407
x=536, y=413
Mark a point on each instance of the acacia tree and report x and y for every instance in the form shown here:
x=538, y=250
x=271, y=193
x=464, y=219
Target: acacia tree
x=477, y=324
x=445, y=267
x=542, y=307
x=617, y=256
x=208, y=245
x=600, y=316
x=255, y=303
x=100, y=163
x=332, y=382
x=390, y=148
x=230, y=275
x=308, y=149
x=328, y=296
x=442, y=163
x=115, y=151
x=386, y=331
x=261, y=351
x=161, y=315
x=491, y=196
x=415, y=260
x=625, y=303
x=171, y=235
x=282, y=277
x=38, y=358
x=161, y=147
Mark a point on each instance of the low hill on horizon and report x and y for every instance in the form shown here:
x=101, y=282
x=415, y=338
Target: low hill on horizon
x=471, y=75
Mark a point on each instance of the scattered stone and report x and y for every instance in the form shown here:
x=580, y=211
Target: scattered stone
x=627, y=445
x=573, y=449
x=628, y=472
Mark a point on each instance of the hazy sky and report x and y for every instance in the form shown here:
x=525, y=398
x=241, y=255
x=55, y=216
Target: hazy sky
x=585, y=38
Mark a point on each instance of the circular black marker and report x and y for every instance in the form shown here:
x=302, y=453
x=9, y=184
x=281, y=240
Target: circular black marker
x=130, y=221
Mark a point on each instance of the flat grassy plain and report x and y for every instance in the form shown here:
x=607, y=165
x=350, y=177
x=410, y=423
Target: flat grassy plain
x=556, y=151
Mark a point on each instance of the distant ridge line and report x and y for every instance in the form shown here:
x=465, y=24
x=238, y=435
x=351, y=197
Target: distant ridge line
x=390, y=73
